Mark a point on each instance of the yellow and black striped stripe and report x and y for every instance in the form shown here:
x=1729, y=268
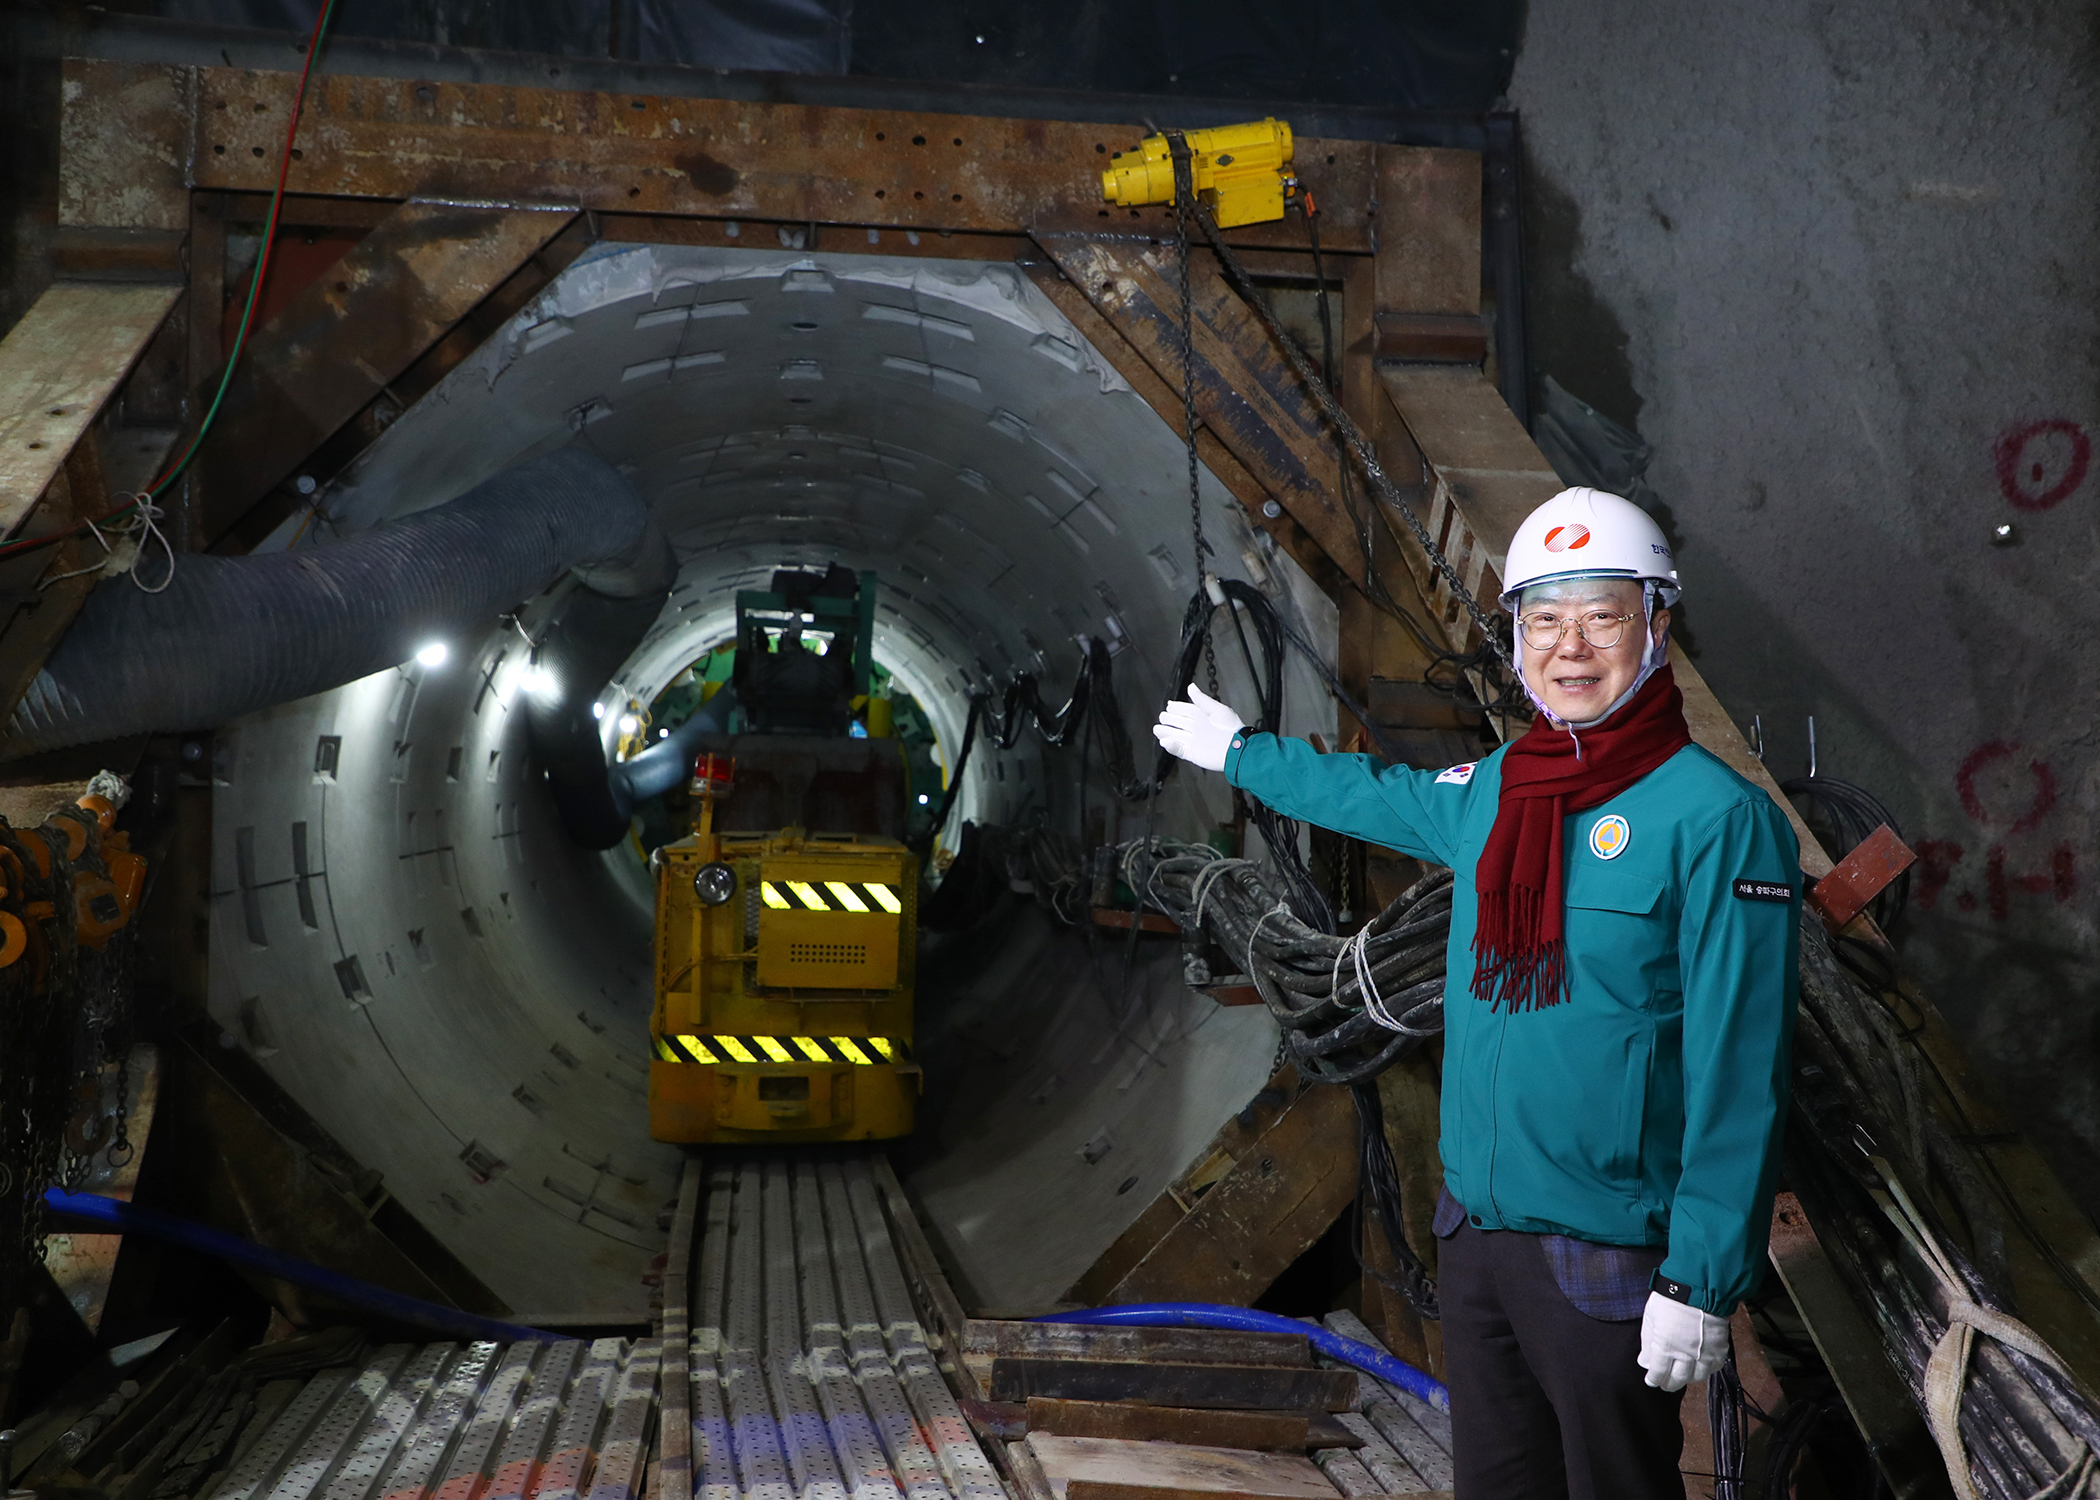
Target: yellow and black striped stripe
x=720, y=1051
x=830, y=895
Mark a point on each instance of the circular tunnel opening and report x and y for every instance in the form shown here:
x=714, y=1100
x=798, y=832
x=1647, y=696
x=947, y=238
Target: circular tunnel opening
x=410, y=944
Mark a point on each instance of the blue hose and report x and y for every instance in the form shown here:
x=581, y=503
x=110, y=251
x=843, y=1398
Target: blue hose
x=114, y=1216
x=1377, y=1362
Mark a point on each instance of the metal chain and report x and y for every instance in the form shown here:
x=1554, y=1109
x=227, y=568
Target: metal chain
x=1354, y=437
x=1184, y=199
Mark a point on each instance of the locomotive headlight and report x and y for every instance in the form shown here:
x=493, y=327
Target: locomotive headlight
x=714, y=883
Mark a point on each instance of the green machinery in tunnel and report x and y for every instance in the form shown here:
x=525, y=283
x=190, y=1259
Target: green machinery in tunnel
x=785, y=957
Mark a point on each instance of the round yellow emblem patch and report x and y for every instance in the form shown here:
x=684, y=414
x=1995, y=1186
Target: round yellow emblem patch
x=1608, y=836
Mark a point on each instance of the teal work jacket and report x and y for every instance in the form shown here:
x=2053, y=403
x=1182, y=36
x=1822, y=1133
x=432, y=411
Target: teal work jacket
x=1647, y=1107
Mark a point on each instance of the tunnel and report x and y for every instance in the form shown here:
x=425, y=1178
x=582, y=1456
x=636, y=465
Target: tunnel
x=407, y=941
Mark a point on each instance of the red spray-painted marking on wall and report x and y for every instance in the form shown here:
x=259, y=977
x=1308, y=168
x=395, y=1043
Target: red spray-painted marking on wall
x=1936, y=861
x=2041, y=463
x=1972, y=801
x=1937, y=858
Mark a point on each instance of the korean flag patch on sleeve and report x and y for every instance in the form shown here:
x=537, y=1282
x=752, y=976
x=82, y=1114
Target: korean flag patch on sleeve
x=1457, y=775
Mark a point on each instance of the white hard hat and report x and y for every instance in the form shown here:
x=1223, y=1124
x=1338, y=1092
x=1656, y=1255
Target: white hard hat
x=1584, y=533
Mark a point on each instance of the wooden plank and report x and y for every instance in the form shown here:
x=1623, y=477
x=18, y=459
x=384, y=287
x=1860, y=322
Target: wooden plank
x=1411, y=1097
x=59, y=366
x=1109, y=1489
x=1282, y=1431
x=1027, y=1472
x=922, y=1268
x=1879, y=1400
x=1154, y=1383
x=636, y=153
x=985, y=1340
x=334, y=349
x=1261, y=1215
x=1159, y=1470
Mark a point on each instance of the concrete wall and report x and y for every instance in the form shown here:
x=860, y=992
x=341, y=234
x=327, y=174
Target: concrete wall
x=1834, y=261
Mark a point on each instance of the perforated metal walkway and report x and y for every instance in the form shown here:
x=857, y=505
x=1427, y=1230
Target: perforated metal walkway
x=797, y=1369
x=555, y=1421
x=810, y=1374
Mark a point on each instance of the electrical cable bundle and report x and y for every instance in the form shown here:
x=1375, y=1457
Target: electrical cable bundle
x=1091, y=711
x=1878, y=1170
x=1349, y=1006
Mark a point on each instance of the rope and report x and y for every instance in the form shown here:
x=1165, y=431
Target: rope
x=1947, y=1371
x=141, y=525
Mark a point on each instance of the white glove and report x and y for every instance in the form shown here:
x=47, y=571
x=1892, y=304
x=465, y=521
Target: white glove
x=1680, y=1343
x=1200, y=731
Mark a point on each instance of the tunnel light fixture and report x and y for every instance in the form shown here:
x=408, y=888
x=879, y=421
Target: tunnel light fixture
x=922, y=799
x=541, y=682
x=597, y=710
x=663, y=734
x=629, y=723
x=434, y=654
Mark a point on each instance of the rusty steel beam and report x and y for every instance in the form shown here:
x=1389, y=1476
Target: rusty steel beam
x=37, y=618
x=632, y=153
x=342, y=340
x=1112, y=346
x=1246, y=394
x=59, y=366
x=1877, y=1397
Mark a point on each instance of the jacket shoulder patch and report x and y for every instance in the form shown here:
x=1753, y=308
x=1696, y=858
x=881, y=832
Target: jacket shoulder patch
x=1763, y=890
x=1457, y=775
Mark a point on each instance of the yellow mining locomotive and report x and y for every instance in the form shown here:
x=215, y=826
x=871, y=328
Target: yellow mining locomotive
x=784, y=959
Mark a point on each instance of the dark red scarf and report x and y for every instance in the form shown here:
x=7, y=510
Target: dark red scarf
x=1520, y=953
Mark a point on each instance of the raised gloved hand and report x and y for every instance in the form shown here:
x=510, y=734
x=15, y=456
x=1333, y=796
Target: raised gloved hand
x=1680, y=1343
x=1200, y=731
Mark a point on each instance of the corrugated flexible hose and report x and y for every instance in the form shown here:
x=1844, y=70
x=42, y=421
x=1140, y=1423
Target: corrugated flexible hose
x=232, y=635
x=1374, y=1362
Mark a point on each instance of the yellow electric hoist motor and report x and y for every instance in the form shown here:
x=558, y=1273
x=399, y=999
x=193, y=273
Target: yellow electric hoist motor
x=1240, y=171
x=784, y=969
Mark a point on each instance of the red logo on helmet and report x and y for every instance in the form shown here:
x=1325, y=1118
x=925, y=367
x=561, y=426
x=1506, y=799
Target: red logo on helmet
x=1562, y=538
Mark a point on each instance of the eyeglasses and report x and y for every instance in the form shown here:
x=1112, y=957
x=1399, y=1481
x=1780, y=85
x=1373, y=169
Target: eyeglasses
x=1601, y=628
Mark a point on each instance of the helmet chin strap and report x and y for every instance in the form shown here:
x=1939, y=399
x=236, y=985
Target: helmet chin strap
x=1652, y=660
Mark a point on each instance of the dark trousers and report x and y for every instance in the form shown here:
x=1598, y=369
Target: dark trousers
x=1547, y=1402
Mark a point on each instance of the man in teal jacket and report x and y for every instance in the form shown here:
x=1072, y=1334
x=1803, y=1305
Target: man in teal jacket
x=1623, y=971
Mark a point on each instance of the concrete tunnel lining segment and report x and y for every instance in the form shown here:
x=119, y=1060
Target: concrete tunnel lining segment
x=411, y=948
